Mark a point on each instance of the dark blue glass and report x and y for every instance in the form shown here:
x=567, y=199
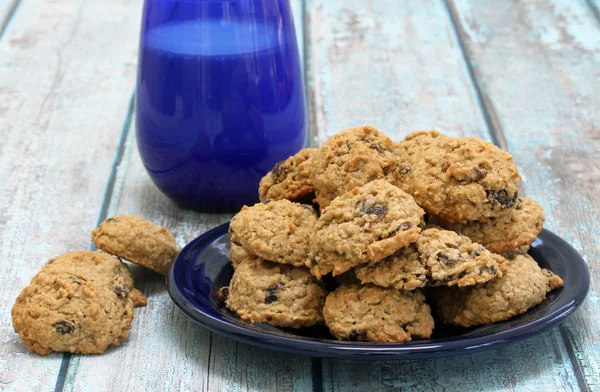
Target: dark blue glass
x=219, y=98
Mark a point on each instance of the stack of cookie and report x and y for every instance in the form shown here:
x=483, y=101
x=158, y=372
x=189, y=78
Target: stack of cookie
x=395, y=219
x=82, y=302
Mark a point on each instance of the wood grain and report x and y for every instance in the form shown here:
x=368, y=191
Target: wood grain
x=166, y=350
x=62, y=109
x=395, y=65
x=549, y=119
x=400, y=67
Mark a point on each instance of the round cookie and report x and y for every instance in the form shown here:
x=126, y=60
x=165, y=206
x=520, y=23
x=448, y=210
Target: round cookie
x=80, y=302
x=453, y=259
x=289, y=179
x=458, y=179
x=523, y=285
x=278, y=231
x=375, y=314
x=350, y=159
x=276, y=294
x=514, y=227
x=366, y=224
x=135, y=239
x=99, y=268
x=402, y=270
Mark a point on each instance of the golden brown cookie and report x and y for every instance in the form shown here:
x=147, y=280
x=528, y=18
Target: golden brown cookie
x=80, y=302
x=135, y=239
x=523, y=285
x=289, y=179
x=453, y=259
x=237, y=254
x=276, y=294
x=350, y=159
x=402, y=270
x=458, y=179
x=366, y=224
x=278, y=231
x=375, y=314
x=514, y=227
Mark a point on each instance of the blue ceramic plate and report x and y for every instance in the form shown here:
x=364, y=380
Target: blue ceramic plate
x=203, y=267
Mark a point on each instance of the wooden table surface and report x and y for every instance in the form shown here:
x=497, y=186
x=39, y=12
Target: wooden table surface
x=524, y=74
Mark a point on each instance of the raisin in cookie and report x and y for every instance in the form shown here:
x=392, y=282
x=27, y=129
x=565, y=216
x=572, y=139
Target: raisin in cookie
x=278, y=231
x=366, y=224
x=375, y=314
x=459, y=179
x=402, y=270
x=350, y=159
x=523, y=285
x=514, y=227
x=276, y=294
x=135, y=239
x=289, y=179
x=80, y=302
x=453, y=259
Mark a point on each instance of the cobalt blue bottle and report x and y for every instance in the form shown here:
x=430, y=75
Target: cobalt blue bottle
x=219, y=98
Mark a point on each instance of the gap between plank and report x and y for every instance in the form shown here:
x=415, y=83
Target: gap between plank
x=594, y=9
x=108, y=193
x=9, y=17
x=486, y=107
x=498, y=138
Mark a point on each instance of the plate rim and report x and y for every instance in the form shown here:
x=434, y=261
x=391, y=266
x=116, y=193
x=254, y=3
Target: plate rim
x=417, y=349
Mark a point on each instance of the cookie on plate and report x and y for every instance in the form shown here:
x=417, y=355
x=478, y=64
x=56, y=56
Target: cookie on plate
x=237, y=254
x=350, y=159
x=276, y=294
x=278, y=231
x=453, y=259
x=514, y=227
x=522, y=286
x=133, y=238
x=375, y=314
x=80, y=302
x=366, y=224
x=458, y=179
x=403, y=270
x=289, y=179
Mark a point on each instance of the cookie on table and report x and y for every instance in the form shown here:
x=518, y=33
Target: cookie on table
x=278, y=231
x=366, y=224
x=350, y=159
x=458, y=179
x=277, y=294
x=135, y=239
x=403, y=270
x=522, y=286
x=237, y=254
x=376, y=314
x=514, y=227
x=453, y=259
x=100, y=268
x=80, y=302
x=289, y=179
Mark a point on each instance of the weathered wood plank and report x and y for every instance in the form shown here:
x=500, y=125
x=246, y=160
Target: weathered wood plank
x=62, y=109
x=399, y=66
x=165, y=350
x=549, y=121
x=394, y=65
